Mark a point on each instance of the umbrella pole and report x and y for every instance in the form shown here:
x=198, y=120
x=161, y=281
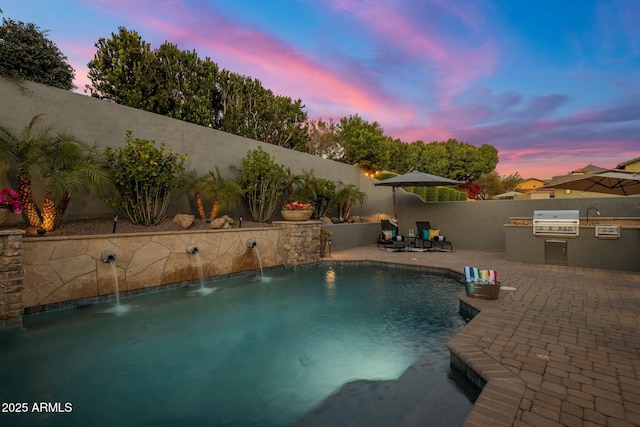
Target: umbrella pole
x=395, y=207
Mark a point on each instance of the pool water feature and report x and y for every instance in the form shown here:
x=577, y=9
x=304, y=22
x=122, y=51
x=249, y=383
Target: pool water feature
x=194, y=252
x=250, y=354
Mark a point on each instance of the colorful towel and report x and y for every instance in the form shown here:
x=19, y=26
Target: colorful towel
x=475, y=275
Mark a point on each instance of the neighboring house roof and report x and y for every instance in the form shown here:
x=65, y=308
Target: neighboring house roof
x=531, y=184
x=623, y=165
x=587, y=169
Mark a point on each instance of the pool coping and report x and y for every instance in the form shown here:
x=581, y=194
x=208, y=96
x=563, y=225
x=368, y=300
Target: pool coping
x=500, y=389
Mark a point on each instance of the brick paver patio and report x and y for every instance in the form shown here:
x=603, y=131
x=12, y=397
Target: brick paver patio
x=562, y=349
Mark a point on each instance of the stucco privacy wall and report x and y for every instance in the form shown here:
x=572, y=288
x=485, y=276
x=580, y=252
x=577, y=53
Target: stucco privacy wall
x=105, y=123
x=480, y=225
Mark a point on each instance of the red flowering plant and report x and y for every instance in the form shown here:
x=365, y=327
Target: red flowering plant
x=297, y=206
x=10, y=199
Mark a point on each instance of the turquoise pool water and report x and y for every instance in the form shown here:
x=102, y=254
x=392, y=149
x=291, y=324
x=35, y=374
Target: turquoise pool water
x=252, y=353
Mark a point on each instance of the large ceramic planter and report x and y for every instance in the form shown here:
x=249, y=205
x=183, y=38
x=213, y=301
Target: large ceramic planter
x=298, y=215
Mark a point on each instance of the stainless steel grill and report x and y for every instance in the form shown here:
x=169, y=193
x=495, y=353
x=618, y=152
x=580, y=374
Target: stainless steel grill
x=556, y=223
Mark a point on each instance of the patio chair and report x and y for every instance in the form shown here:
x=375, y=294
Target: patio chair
x=387, y=234
x=422, y=237
x=430, y=238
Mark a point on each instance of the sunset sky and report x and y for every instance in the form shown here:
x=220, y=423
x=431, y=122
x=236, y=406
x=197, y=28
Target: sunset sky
x=553, y=85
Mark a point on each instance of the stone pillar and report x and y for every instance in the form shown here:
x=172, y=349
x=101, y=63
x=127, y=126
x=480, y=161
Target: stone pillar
x=299, y=242
x=11, y=278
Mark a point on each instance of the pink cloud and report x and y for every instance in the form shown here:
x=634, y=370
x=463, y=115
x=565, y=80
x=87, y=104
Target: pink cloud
x=454, y=63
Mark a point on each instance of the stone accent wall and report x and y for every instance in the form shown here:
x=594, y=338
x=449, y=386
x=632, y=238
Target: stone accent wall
x=59, y=270
x=11, y=278
x=62, y=269
x=299, y=242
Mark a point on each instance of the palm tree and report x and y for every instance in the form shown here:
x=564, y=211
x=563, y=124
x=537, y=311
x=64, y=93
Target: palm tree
x=19, y=157
x=66, y=166
x=347, y=196
x=292, y=181
x=61, y=162
x=197, y=184
x=319, y=191
x=226, y=193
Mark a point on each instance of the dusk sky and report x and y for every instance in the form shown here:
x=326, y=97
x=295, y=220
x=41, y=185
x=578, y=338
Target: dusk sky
x=553, y=85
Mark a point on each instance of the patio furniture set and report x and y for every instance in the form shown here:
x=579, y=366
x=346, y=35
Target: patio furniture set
x=426, y=238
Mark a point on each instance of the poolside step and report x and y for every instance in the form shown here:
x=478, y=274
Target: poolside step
x=405, y=402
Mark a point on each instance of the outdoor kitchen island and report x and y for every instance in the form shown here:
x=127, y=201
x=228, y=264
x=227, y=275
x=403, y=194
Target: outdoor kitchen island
x=563, y=238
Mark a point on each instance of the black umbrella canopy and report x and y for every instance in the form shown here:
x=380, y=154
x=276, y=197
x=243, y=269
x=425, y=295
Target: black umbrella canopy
x=613, y=181
x=415, y=179
x=418, y=179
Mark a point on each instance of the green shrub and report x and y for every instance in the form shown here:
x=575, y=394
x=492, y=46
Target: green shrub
x=421, y=191
x=144, y=176
x=432, y=194
x=453, y=194
x=263, y=182
x=443, y=194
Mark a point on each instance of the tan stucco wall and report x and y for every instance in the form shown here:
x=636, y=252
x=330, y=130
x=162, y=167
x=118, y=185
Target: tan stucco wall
x=105, y=124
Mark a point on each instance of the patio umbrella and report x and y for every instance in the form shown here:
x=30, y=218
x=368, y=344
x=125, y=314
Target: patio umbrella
x=508, y=195
x=415, y=179
x=612, y=181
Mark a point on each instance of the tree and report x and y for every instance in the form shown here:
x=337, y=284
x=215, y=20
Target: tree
x=263, y=182
x=225, y=193
x=320, y=192
x=324, y=140
x=458, y=160
x=18, y=157
x=123, y=70
x=250, y=110
x=179, y=84
x=27, y=53
x=196, y=183
x=494, y=184
x=364, y=143
x=292, y=181
x=401, y=156
x=185, y=85
x=65, y=166
x=346, y=198
x=144, y=177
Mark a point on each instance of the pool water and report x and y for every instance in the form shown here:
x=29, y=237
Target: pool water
x=252, y=353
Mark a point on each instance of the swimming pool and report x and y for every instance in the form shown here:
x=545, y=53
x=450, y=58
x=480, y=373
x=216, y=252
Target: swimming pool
x=261, y=353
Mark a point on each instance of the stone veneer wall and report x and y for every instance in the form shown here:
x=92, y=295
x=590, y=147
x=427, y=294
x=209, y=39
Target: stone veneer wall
x=300, y=242
x=11, y=278
x=63, y=269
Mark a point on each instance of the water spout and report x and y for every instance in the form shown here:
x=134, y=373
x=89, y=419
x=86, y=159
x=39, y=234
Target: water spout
x=251, y=244
x=203, y=290
x=108, y=257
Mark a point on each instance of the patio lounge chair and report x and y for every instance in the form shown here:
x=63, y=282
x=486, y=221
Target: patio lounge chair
x=387, y=234
x=427, y=238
